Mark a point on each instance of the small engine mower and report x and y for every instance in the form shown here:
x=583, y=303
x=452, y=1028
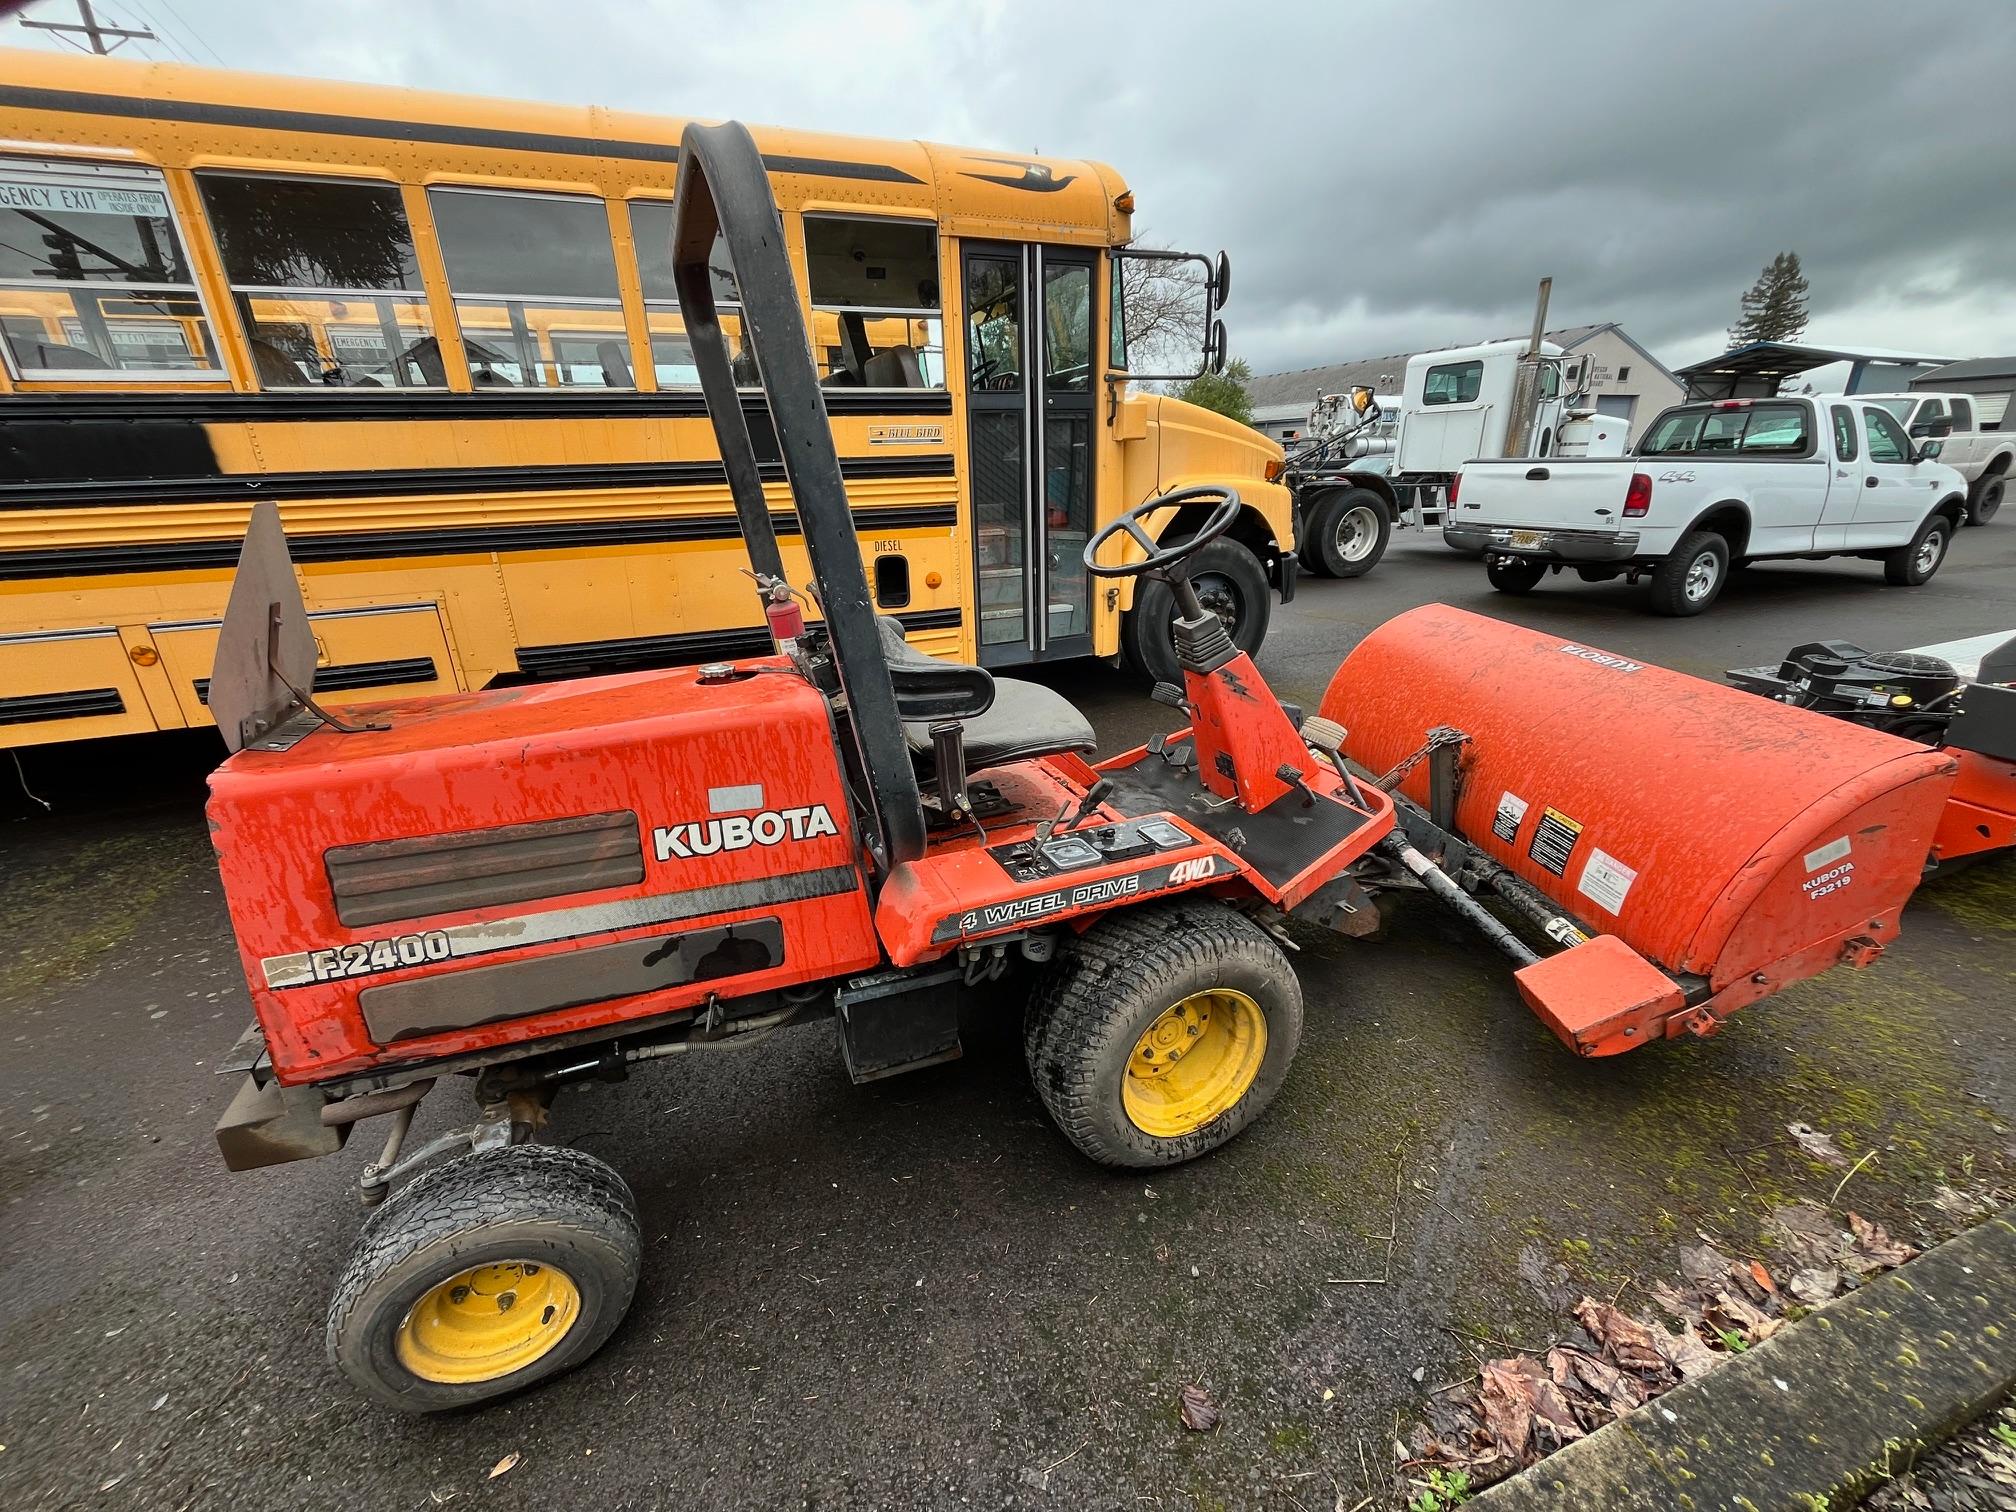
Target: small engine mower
x=535, y=887
x=1959, y=697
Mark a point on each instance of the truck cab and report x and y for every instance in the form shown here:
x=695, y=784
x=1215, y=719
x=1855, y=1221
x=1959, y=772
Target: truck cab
x=1979, y=455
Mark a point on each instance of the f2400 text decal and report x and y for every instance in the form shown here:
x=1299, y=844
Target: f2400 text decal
x=365, y=957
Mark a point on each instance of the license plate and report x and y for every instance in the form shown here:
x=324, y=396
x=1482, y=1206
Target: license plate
x=1527, y=538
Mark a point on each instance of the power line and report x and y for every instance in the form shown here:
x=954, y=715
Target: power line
x=89, y=26
x=187, y=30
x=175, y=48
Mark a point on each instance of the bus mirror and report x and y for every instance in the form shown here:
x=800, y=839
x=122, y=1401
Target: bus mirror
x=1214, y=347
x=1221, y=282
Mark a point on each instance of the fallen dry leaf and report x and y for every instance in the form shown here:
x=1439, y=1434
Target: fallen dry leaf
x=1631, y=1343
x=1816, y=1144
x=1703, y=1264
x=1196, y=1409
x=1815, y=1285
x=504, y=1466
x=1686, y=1354
x=1525, y=1412
x=1762, y=1277
x=1809, y=1234
x=1877, y=1245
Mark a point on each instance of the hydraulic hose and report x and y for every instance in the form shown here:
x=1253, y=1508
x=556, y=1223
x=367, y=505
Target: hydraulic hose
x=1443, y=886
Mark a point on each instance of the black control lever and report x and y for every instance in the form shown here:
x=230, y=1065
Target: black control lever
x=1094, y=796
x=1291, y=775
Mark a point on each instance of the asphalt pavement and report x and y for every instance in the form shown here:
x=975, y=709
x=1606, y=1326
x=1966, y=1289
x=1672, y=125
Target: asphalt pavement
x=915, y=1294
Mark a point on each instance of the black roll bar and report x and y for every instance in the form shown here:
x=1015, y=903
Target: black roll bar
x=724, y=189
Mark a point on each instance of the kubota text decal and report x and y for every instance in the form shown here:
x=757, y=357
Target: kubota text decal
x=704, y=837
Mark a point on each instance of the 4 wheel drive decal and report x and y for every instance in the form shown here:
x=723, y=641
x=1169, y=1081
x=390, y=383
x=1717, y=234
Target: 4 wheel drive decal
x=361, y=958
x=991, y=918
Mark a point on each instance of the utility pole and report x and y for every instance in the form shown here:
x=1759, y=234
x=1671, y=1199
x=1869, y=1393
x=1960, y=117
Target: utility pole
x=88, y=24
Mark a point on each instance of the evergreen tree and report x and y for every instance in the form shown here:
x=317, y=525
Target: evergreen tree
x=1775, y=307
x=1223, y=392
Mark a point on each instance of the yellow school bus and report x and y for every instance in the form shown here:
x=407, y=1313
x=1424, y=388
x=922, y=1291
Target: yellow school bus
x=441, y=334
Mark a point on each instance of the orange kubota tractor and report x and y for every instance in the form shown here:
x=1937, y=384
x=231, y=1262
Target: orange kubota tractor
x=527, y=888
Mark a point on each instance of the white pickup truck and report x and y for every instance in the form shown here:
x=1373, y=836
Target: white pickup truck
x=1982, y=457
x=1712, y=487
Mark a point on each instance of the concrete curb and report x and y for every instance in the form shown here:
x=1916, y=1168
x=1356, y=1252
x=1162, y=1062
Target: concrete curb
x=1821, y=1412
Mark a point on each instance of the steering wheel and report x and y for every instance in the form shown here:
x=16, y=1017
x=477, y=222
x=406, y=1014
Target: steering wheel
x=1161, y=558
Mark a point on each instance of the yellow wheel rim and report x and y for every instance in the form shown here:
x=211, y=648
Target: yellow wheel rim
x=1194, y=1062
x=488, y=1321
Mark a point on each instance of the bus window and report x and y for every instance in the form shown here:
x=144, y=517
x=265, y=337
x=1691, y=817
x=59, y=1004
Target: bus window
x=875, y=314
x=94, y=284
x=671, y=353
x=534, y=279
x=325, y=280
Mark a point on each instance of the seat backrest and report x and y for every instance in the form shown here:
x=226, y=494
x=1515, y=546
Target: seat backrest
x=928, y=689
x=895, y=368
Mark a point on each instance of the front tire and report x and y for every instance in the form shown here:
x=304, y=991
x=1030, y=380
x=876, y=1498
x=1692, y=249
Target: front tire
x=1347, y=531
x=1230, y=581
x=1913, y=565
x=485, y=1275
x=1691, y=579
x=1984, y=500
x=1516, y=576
x=1161, y=1033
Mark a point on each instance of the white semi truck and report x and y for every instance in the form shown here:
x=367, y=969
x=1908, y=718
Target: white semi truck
x=1368, y=465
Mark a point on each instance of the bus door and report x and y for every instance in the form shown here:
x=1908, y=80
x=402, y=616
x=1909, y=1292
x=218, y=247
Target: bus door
x=1029, y=345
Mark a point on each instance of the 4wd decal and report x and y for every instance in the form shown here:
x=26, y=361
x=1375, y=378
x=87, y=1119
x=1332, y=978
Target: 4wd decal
x=705, y=837
x=990, y=918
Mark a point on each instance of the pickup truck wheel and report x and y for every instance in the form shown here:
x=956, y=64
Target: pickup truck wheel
x=1347, y=532
x=1689, y=580
x=1515, y=576
x=1986, y=498
x=1909, y=566
x=1229, y=581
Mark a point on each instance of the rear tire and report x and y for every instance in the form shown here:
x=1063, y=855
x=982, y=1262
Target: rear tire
x=1518, y=577
x=1193, y=977
x=422, y=1316
x=1691, y=579
x=1984, y=500
x=1347, y=531
x=1913, y=565
x=1228, y=578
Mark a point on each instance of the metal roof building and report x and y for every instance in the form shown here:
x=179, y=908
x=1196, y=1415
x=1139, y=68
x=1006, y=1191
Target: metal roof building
x=1756, y=371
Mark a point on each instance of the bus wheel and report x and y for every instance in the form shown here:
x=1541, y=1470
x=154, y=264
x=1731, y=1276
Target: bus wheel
x=487, y=1274
x=1229, y=581
x=1162, y=1032
x=1347, y=533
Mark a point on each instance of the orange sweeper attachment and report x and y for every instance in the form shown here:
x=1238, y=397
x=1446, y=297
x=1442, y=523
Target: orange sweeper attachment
x=524, y=890
x=1734, y=844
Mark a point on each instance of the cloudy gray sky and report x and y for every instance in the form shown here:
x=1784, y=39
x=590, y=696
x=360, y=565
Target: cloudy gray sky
x=1386, y=177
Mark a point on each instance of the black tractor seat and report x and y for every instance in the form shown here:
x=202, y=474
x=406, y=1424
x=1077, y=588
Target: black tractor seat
x=1004, y=720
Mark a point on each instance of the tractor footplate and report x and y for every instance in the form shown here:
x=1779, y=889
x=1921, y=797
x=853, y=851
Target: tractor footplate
x=1289, y=839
